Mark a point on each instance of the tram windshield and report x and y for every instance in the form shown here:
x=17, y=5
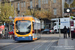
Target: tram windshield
x=23, y=27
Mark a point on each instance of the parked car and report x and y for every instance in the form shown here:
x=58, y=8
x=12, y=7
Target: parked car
x=47, y=31
x=52, y=31
x=10, y=32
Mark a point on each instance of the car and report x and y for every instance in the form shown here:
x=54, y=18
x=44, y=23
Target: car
x=10, y=32
x=52, y=31
x=47, y=31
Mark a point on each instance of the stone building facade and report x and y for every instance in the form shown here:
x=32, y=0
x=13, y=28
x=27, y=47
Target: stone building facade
x=54, y=6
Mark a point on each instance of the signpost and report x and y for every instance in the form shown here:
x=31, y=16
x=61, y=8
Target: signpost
x=69, y=2
x=1, y=29
x=59, y=28
x=67, y=10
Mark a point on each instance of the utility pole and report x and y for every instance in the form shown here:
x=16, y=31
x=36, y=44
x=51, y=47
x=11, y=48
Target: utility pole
x=63, y=1
x=70, y=20
x=69, y=2
x=59, y=29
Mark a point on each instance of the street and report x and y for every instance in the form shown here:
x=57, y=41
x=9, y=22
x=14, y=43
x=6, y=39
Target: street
x=46, y=24
x=46, y=42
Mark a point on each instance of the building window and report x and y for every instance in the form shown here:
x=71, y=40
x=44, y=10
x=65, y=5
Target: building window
x=31, y=4
x=55, y=11
x=46, y=1
x=24, y=4
x=39, y=5
x=18, y=6
x=54, y=1
x=28, y=7
x=42, y=1
x=21, y=4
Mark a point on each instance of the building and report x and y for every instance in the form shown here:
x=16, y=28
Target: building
x=55, y=7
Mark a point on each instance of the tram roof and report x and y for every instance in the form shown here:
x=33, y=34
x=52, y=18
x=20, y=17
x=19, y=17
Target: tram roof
x=29, y=16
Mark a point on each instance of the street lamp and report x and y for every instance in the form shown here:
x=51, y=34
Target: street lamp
x=59, y=29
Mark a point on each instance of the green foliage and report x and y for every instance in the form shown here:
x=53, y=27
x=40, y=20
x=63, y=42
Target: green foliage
x=28, y=12
x=73, y=4
x=43, y=14
x=66, y=5
x=39, y=14
x=6, y=11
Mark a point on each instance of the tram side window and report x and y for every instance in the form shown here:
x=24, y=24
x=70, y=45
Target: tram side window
x=16, y=26
x=33, y=25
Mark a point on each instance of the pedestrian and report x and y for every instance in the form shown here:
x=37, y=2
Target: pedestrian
x=52, y=28
x=65, y=32
x=68, y=31
x=73, y=34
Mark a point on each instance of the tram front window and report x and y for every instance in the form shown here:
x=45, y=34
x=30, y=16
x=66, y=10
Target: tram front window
x=23, y=27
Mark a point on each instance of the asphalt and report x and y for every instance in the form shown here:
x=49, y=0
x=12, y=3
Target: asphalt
x=45, y=43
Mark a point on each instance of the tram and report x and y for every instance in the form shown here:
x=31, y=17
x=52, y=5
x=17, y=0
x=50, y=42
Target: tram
x=26, y=28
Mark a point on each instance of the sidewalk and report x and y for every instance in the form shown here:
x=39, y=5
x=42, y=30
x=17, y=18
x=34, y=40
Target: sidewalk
x=66, y=44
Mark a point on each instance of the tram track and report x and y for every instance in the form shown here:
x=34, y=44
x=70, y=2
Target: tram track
x=44, y=43
x=47, y=47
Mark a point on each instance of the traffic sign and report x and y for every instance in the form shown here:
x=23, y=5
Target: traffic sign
x=73, y=10
x=69, y=1
x=67, y=10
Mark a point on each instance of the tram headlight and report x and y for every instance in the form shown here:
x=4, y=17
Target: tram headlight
x=30, y=35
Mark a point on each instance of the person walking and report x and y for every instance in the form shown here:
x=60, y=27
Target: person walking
x=65, y=32
x=68, y=31
x=73, y=34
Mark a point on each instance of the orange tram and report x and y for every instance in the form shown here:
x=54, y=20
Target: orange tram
x=26, y=28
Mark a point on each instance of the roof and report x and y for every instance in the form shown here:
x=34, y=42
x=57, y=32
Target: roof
x=29, y=18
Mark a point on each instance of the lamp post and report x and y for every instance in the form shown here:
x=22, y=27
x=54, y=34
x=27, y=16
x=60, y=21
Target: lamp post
x=59, y=29
x=69, y=2
x=63, y=1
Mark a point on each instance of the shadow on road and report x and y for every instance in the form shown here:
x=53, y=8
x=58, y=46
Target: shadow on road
x=23, y=41
x=42, y=38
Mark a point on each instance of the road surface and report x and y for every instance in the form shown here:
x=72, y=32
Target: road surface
x=46, y=42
